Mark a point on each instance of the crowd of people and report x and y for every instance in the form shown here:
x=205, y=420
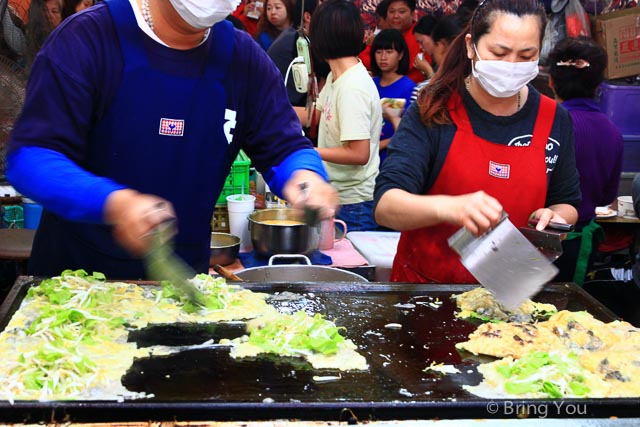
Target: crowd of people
x=427, y=126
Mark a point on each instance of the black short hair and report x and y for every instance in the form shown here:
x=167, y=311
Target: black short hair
x=299, y=10
x=447, y=28
x=571, y=81
x=336, y=30
x=410, y=3
x=425, y=25
x=390, y=39
x=381, y=8
x=465, y=11
x=237, y=23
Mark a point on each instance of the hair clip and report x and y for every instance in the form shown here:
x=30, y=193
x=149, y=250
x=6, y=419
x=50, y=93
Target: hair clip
x=578, y=63
x=475, y=13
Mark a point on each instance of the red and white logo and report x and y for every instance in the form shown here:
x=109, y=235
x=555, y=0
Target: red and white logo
x=171, y=127
x=499, y=170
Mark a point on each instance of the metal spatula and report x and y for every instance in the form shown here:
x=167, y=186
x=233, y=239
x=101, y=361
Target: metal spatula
x=549, y=240
x=504, y=262
x=162, y=263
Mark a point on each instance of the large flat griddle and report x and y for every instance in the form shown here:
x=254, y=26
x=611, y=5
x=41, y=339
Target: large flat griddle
x=206, y=384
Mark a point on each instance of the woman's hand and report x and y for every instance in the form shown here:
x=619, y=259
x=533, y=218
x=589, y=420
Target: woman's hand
x=423, y=66
x=133, y=215
x=369, y=38
x=249, y=7
x=251, y=10
x=477, y=212
x=392, y=115
x=564, y=214
x=388, y=112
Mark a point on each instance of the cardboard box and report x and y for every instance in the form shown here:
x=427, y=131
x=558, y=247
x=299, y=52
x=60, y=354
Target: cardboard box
x=619, y=33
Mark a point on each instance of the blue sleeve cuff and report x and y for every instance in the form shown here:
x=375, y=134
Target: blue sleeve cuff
x=307, y=159
x=61, y=186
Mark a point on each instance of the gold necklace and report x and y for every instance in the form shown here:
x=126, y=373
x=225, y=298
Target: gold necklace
x=467, y=83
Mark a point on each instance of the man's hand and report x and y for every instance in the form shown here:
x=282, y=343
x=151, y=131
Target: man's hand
x=133, y=215
x=318, y=193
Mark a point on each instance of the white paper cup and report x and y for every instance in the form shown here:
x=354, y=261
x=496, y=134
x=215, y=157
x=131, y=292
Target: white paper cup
x=625, y=206
x=240, y=207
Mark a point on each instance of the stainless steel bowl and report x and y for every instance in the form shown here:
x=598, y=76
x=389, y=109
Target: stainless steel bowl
x=224, y=248
x=271, y=239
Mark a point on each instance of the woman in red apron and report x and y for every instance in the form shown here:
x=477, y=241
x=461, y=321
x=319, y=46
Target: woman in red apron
x=479, y=141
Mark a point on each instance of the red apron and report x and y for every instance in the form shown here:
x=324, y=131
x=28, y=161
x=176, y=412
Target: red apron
x=515, y=175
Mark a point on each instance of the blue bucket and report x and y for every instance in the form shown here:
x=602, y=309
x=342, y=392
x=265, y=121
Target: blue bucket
x=32, y=214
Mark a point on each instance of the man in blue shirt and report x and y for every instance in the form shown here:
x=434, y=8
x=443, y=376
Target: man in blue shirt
x=134, y=113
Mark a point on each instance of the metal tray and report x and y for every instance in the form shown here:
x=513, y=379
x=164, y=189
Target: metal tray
x=209, y=385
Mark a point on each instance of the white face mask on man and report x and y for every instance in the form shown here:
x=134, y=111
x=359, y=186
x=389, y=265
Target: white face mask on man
x=503, y=79
x=204, y=14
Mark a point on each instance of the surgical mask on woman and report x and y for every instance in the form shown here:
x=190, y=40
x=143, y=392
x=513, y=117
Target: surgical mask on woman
x=503, y=79
x=204, y=13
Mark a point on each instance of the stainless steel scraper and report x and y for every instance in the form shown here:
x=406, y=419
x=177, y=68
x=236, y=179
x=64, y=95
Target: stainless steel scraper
x=504, y=261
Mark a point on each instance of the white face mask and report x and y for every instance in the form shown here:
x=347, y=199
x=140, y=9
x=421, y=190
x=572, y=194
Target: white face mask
x=503, y=79
x=204, y=13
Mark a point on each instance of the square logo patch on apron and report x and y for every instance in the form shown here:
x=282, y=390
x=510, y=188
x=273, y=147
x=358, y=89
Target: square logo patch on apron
x=171, y=127
x=499, y=170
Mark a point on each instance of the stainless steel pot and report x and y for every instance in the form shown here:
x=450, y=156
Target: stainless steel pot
x=223, y=249
x=272, y=239
x=297, y=272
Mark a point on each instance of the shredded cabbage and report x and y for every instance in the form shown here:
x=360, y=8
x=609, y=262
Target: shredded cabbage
x=216, y=294
x=295, y=333
x=56, y=365
x=554, y=374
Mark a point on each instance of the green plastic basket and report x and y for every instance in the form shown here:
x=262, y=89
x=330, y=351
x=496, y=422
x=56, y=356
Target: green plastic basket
x=13, y=217
x=238, y=180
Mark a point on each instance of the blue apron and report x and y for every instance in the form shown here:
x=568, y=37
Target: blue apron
x=162, y=135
